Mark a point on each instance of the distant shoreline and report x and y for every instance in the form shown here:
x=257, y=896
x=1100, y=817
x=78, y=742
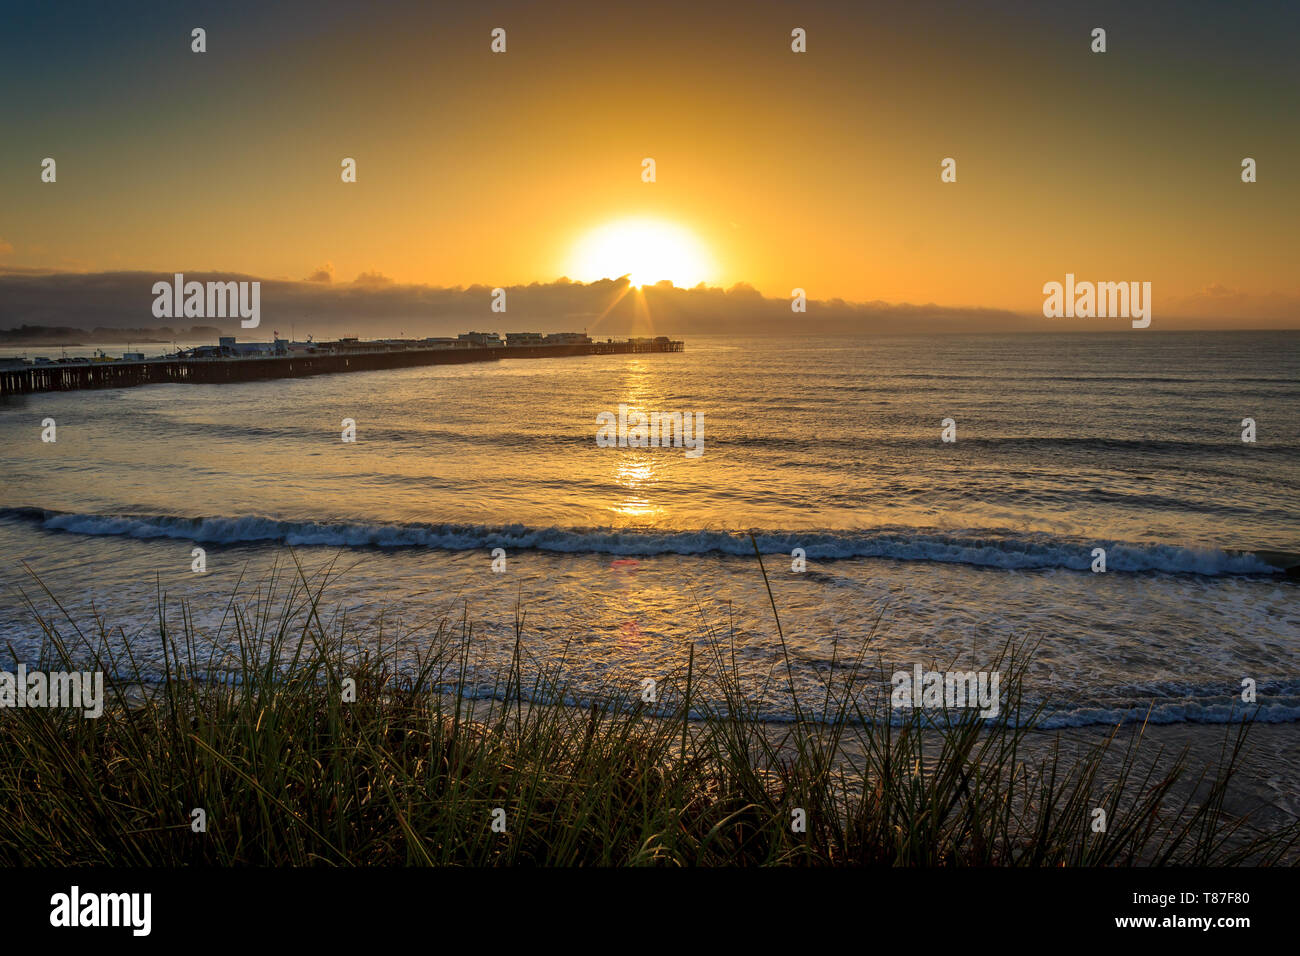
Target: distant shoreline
x=29, y=336
x=45, y=336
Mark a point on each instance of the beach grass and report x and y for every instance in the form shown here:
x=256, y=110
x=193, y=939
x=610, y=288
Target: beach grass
x=290, y=768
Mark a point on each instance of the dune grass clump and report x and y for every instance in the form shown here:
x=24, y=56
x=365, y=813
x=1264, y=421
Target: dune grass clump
x=306, y=742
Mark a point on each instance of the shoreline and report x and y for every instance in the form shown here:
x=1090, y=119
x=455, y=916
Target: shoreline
x=1264, y=789
x=317, y=749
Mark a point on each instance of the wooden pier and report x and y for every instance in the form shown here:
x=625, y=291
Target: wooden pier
x=71, y=376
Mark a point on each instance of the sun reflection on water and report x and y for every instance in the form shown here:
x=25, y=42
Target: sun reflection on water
x=636, y=476
x=635, y=473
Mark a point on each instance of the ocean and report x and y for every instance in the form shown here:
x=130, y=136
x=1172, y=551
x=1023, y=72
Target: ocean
x=619, y=559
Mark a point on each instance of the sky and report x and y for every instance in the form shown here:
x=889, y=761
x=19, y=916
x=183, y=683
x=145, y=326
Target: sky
x=819, y=170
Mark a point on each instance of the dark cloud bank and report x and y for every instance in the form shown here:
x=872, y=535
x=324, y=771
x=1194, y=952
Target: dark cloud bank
x=375, y=306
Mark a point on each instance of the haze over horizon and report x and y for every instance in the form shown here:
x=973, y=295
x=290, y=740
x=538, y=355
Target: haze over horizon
x=375, y=305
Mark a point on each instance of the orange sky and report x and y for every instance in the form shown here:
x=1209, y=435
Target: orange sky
x=818, y=170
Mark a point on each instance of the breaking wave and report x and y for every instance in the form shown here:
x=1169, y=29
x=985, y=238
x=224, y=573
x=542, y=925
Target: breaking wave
x=1007, y=550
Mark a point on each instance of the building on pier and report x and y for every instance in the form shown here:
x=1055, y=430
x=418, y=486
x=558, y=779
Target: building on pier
x=487, y=339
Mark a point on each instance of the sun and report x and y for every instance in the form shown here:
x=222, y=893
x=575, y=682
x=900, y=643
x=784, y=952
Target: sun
x=644, y=250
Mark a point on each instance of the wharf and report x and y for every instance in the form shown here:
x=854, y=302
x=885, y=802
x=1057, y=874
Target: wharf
x=71, y=376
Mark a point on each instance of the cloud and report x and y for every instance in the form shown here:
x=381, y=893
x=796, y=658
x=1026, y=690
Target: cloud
x=1216, y=291
x=324, y=274
x=1219, y=302
x=374, y=304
